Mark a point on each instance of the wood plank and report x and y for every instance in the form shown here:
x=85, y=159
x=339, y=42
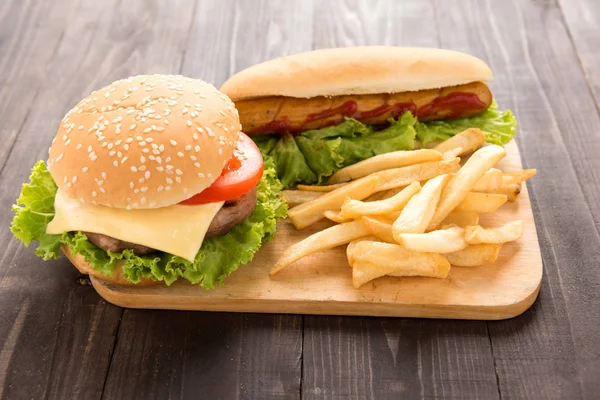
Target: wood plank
x=224, y=355
x=191, y=355
x=553, y=350
x=408, y=23
x=57, y=336
x=581, y=18
x=322, y=283
x=27, y=31
x=396, y=358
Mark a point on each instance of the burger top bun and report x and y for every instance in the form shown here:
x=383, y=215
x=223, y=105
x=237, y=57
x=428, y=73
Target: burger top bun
x=144, y=142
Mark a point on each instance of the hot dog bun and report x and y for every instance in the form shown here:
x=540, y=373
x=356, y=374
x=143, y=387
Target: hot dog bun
x=357, y=71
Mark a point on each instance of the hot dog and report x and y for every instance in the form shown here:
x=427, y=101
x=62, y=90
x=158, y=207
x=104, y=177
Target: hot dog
x=370, y=84
x=280, y=114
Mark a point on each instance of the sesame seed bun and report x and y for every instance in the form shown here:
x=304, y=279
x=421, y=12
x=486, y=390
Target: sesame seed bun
x=144, y=142
x=357, y=70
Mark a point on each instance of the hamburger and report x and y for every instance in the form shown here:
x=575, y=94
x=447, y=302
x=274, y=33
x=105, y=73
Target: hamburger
x=316, y=112
x=148, y=180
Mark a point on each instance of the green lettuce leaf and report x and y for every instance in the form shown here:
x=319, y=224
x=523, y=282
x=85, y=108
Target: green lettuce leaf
x=318, y=153
x=499, y=127
x=217, y=258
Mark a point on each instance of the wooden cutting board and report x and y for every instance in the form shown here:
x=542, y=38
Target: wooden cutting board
x=321, y=283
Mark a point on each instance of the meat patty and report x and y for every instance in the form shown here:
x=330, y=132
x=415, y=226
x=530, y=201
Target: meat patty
x=233, y=212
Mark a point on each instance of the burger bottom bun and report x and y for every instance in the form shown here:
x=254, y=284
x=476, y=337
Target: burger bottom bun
x=118, y=278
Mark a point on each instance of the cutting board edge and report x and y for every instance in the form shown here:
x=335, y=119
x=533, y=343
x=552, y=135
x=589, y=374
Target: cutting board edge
x=113, y=295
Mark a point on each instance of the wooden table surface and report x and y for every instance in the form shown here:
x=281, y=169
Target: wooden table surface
x=58, y=339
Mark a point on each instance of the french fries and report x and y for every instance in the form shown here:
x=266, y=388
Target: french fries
x=357, y=208
x=393, y=178
x=312, y=211
x=379, y=228
x=481, y=202
x=372, y=260
x=440, y=241
x=467, y=141
x=295, y=197
x=326, y=239
x=461, y=218
x=382, y=162
x=460, y=184
x=417, y=214
x=410, y=213
x=507, y=233
x=317, y=188
x=474, y=255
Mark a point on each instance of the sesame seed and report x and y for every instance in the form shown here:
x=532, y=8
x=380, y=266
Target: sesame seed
x=132, y=127
x=166, y=121
x=103, y=175
x=131, y=185
x=174, y=143
x=89, y=149
x=112, y=153
x=210, y=176
x=195, y=136
x=133, y=169
x=179, y=172
x=84, y=169
x=102, y=190
x=197, y=164
x=169, y=180
x=129, y=140
x=124, y=159
x=177, y=179
x=159, y=160
x=188, y=147
x=152, y=204
x=180, y=154
x=193, y=158
x=160, y=188
x=220, y=151
x=167, y=188
x=115, y=163
x=197, y=148
x=141, y=180
x=160, y=129
x=144, y=189
x=185, y=110
x=200, y=175
x=161, y=147
x=147, y=175
x=78, y=146
x=94, y=194
x=167, y=159
x=65, y=179
x=136, y=191
x=142, y=143
x=160, y=169
x=119, y=154
x=69, y=184
x=189, y=123
x=142, y=167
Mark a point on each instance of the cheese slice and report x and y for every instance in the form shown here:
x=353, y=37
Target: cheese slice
x=177, y=229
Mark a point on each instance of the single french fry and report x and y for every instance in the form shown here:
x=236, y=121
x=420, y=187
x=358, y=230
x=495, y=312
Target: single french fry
x=372, y=260
x=461, y=218
x=460, y=184
x=356, y=208
x=417, y=213
x=379, y=228
x=295, y=197
x=474, y=255
x=352, y=245
x=336, y=217
x=385, y=194
x=323, y=240
x=393, y=178
x=507, y=233
x=490, y=182
x=481, y=202
x=312, y=211
x=395, y=159
x=467, y=140
x=440, y=241
x=317, y=188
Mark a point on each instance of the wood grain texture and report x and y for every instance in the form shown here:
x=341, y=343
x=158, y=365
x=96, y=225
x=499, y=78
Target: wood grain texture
x=205, y=355
x=553, y=351
x=57, y=336
x=581, y=18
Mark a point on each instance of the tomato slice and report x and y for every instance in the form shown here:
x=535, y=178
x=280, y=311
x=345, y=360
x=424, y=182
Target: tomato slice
x=240, y=175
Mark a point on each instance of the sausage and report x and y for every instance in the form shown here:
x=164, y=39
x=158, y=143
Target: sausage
x=289, y=114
